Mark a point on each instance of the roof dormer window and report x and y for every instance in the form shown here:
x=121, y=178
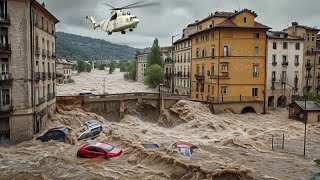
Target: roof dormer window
x=244, y=20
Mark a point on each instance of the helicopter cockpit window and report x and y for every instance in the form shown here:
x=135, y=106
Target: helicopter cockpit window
x=128, y=13
x=113, y=17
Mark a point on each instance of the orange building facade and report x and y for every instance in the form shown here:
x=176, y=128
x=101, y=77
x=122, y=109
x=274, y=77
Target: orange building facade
x=229, y=58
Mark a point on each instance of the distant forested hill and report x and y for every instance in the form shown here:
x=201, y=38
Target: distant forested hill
x=86, y=48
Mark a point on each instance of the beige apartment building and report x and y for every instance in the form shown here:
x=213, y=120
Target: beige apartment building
x=141, y=58
x=27, y=69
x=310, y=62
x=182, y=61
x=65, y=68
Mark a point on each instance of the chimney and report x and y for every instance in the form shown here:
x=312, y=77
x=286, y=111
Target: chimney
x=44, y=5
x=294, y=24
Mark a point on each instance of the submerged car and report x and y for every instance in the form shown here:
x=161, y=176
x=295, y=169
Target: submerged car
x=185, y=148
x=92, y=130
x=58, y=134
x=98, y=149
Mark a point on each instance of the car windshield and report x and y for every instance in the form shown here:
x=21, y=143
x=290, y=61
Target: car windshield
x=108, y=147
x=185, y=151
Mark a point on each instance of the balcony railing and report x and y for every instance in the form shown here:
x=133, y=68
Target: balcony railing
x=296, y=64
x=48, y=53
x=49, y=76
x=310, y=52
x=4, y=18
x=308, y=65
x=43, y=53
x=53, y=55
x=6, y=77
x=318, y=87
x=40, y=100
x=308, y=76
x=7, y=107
x=43, y=76
x=285, y=64
x=50, y=96
x=274, y=63
x=6, y=48
x=199, y=77
x=273, y=79
x=308, y=86
x=168, y=75
x=37, y=76
x=37, y=51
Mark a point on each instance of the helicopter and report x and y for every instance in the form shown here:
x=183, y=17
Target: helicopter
x=120, y=20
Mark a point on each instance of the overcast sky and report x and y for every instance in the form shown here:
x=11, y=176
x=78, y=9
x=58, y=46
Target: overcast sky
x=171, y=16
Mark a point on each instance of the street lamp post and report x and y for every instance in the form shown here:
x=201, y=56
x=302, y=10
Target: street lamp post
x=104, y=86
x=173, y=62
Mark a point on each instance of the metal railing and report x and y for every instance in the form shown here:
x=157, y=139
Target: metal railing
x=37, y=76
x=285, y=64
x=53, y=55
x=48, y=53
x=274, y=63
x=199, y=77
x=49, y=75
x=43, y=52
x=4, y=18
x=5, y=47
x=6, y=77
x=43, y=75
x=308, y=65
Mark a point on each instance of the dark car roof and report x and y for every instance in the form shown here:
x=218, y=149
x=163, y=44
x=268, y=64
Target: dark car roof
x=65, y=130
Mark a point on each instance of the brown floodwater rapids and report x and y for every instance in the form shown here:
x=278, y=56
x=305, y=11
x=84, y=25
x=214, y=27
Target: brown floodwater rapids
x=231, y=146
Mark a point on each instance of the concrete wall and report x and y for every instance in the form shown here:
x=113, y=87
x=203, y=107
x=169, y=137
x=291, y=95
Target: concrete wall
x=237, y=107
x=313, y=117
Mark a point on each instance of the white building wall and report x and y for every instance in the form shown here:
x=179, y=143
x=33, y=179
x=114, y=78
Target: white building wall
x=291, y=70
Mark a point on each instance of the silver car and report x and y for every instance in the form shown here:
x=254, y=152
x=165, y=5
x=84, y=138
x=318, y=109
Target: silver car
x=92, y=129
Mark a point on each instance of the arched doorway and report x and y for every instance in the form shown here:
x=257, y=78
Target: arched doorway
x=248, y=110
x=282, y=102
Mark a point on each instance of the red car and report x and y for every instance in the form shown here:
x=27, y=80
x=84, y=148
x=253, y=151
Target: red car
x=98, y=149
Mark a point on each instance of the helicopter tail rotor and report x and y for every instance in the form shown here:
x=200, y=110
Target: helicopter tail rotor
x=91, y=21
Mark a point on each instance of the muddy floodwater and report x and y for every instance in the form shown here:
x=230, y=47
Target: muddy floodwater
x=230, y=147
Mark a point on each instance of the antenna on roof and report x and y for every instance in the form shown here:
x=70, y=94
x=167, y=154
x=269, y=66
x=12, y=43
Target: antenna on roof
x=239, y=5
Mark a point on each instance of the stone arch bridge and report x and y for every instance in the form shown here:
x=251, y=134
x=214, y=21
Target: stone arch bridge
x=113, y=106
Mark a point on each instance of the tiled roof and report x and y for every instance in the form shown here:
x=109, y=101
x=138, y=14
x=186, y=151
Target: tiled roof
x=281, y=35
x=229, y=23
x=309, y=105
x=245, y=10
x=309, y=28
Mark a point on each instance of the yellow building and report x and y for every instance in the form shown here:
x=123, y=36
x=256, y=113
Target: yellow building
x=228, y=57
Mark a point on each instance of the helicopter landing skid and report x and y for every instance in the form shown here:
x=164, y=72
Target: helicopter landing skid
x=109, y=33
x=123, y=32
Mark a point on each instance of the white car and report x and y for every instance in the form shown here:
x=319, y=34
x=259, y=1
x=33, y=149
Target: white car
x=92, y=130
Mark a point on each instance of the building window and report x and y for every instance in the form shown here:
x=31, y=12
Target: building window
x=200, y=27
x=308, y=37
x=5, y=95
x=226, y=50
x=212, y=70
x=212, y=35
x=224, y=90
x=224, y=68
x=297, y=46
x=255, y=71
x=208, y=89
x=274, y=45
x=203, y=53
x=244, y=20
x=285, y=45
x=207, y=37
x=296, y=60
x=42, y=22
x=312, y=37
x=212, y=52
x=197, y=39
x=197, y=53
x=274, y=59
x=256, y=49
x=284, y=76
x=256, y=35
x=189, y=57
x=284, y=60
x=255, y=92
x=273, y=76
x=184, y=57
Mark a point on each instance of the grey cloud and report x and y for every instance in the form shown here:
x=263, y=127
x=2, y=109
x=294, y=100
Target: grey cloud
x=171, y=16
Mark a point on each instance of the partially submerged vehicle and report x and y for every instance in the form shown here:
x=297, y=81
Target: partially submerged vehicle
x=150, y=145
x=92, y=130
x=184, y=148
x=58, y=134
x=98, y=149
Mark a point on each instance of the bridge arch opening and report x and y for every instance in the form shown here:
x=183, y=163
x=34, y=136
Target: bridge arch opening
x=282, y=102
x=248, y=109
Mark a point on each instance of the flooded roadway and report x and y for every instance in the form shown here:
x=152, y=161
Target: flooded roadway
x=230, y=146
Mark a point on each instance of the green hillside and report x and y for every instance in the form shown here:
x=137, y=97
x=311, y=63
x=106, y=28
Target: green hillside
x=86, y=48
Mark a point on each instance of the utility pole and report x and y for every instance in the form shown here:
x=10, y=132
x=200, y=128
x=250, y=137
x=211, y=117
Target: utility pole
x=305, y=124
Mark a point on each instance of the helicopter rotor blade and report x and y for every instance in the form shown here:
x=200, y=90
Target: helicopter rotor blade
x=142, y=5
x=109, y=6
x=125, y=7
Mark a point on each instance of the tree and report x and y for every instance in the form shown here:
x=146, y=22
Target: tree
x=112, y=67
x=154, y=57
x=81, y=66
x=97, y=65
x=132, y=70
x=154, y=76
